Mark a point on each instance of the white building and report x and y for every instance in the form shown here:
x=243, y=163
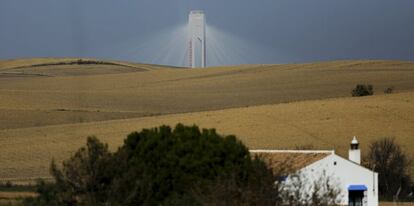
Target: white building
x=357, y=184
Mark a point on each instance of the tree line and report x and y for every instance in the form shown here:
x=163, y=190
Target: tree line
x=165, y=166
x=189, y=166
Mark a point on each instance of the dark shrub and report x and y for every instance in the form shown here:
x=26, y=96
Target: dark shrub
x=387, y=158
x=388, y=90
x=362, y=90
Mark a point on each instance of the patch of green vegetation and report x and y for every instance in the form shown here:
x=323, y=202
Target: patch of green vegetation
x=10, y=187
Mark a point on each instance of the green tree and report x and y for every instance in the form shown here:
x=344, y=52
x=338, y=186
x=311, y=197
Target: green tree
x=257, y=188
x=159, y=166
x=162, y=166
x=170, y=163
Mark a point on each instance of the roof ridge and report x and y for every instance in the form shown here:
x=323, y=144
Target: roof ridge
x=360, y=165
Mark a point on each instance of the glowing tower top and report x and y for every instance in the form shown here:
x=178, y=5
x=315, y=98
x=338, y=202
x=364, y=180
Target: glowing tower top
x=197, y=42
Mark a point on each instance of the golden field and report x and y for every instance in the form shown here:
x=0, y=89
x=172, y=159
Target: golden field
x=49, y=116
x=61, y=95
x=326, y=124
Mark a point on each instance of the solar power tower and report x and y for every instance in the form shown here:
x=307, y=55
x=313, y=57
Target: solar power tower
x=197, y=42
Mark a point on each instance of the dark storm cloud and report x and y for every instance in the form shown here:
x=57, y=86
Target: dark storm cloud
x=303, y=30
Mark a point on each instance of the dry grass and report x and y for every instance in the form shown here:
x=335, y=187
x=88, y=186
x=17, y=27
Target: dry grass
x=326, y=124
x=14, y=198
x=16, y=195
x=12, y=119
x=47, y=112
x=166, y=91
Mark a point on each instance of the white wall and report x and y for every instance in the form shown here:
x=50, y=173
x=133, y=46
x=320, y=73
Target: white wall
x=345, y=173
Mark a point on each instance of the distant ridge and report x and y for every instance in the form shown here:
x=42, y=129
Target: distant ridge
x=50, y=61
x=37, y=62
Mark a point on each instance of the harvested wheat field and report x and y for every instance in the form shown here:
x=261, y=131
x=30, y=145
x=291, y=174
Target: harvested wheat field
x=49, y=106
x=15, y=195
x=41, y=92
x=327, y=124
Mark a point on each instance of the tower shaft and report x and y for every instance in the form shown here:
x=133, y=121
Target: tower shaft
x=197, y=44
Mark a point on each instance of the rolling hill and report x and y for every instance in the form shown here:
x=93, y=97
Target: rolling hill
x=62, y=97
x=268, y=106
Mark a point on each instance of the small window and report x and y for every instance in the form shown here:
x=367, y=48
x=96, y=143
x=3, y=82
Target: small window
x=335, y=163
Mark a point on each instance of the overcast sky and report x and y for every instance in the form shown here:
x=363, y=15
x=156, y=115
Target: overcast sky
x=287, y=30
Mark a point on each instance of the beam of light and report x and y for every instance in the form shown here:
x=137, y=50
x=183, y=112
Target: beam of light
x=170, y=47
x=165, y=47
x=225, y=48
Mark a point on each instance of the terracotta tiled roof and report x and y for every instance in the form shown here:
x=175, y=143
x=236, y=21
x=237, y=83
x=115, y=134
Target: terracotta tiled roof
x=289, y=161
